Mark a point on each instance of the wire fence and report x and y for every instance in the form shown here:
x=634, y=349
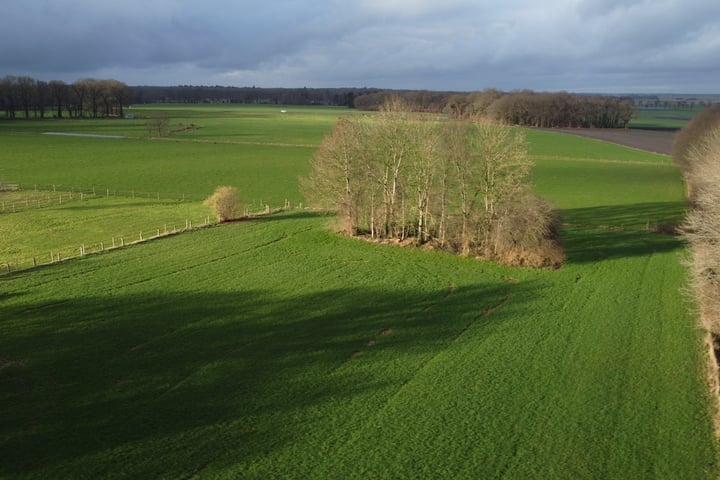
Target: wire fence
x=18, y=197
x=109, y=244
x=16, y=264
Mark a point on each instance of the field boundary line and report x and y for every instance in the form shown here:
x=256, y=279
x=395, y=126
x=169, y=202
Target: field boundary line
x=237, y=142
x=601, y=160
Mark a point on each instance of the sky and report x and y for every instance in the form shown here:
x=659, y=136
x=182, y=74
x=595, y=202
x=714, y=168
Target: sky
x=584, y=46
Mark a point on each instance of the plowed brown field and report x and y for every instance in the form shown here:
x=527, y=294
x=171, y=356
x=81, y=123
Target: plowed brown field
x=658, y=141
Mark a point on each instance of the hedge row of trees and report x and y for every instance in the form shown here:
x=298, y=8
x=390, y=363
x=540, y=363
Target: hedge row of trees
x=29, y=97
x=461, y=185
x=526, y=108
x=697, y=152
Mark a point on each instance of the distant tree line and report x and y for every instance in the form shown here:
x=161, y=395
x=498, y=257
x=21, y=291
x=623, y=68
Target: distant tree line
x=461, y=185
x=248, y=95
x=526, y=108
x=27, y=97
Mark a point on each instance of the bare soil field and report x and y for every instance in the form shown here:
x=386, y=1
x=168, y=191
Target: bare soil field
x=658, y=141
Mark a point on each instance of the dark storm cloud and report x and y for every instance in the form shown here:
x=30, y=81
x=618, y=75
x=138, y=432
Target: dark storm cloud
x=589, y=45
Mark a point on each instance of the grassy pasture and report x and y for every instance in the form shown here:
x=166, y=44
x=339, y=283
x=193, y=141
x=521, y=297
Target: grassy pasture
x=95, y=222
x=546, y=144
x=275, y=349
x=664, y=119
x=209, y=123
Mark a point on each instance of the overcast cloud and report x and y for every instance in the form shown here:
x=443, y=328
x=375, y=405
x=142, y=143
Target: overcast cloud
x=613, y=46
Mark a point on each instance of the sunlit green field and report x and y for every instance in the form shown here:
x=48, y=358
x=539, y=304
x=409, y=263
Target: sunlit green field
x=273, y=348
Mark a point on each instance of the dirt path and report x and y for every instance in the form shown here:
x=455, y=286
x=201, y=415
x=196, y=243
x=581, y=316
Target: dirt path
x=658, y=141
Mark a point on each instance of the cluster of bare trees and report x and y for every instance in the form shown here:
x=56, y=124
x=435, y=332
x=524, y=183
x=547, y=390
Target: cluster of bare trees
x=27, y=97
x=461, y=185
x=526, y=108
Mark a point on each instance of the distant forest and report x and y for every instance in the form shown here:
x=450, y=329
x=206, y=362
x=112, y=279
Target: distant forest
x=25, y=97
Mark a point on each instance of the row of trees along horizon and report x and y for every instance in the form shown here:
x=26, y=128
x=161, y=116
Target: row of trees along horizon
x=25, y=97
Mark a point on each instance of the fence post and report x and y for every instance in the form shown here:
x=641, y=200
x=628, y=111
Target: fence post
x=34, y=259
x=141, y=236
x=158, y=195
x=102, y=246
x=158, y=233
x=122, y=241
x=93, y=189
x=7, y=265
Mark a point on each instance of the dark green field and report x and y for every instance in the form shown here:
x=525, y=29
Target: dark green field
x=273, y=348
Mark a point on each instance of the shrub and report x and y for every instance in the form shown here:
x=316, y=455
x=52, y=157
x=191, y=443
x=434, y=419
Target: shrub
x=526, y=234
x=224, y=203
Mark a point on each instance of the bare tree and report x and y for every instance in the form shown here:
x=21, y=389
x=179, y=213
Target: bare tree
x=158, y=124
x=41, y=97
x=94, y=91
x=120, y=94
x=25, y=89
x=337, y=178
x=80, y=93
x=9, y=95
x=59, y=95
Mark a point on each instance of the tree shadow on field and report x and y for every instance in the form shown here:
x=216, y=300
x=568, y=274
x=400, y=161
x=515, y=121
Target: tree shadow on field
x=617, y=231
x=166, y=384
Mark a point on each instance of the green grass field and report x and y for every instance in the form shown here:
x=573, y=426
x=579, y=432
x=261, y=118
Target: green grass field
x=275, y=349
x=670, y=118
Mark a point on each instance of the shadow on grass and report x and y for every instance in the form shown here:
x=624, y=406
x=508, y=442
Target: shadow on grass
x=617, y=231
x=165, y=384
